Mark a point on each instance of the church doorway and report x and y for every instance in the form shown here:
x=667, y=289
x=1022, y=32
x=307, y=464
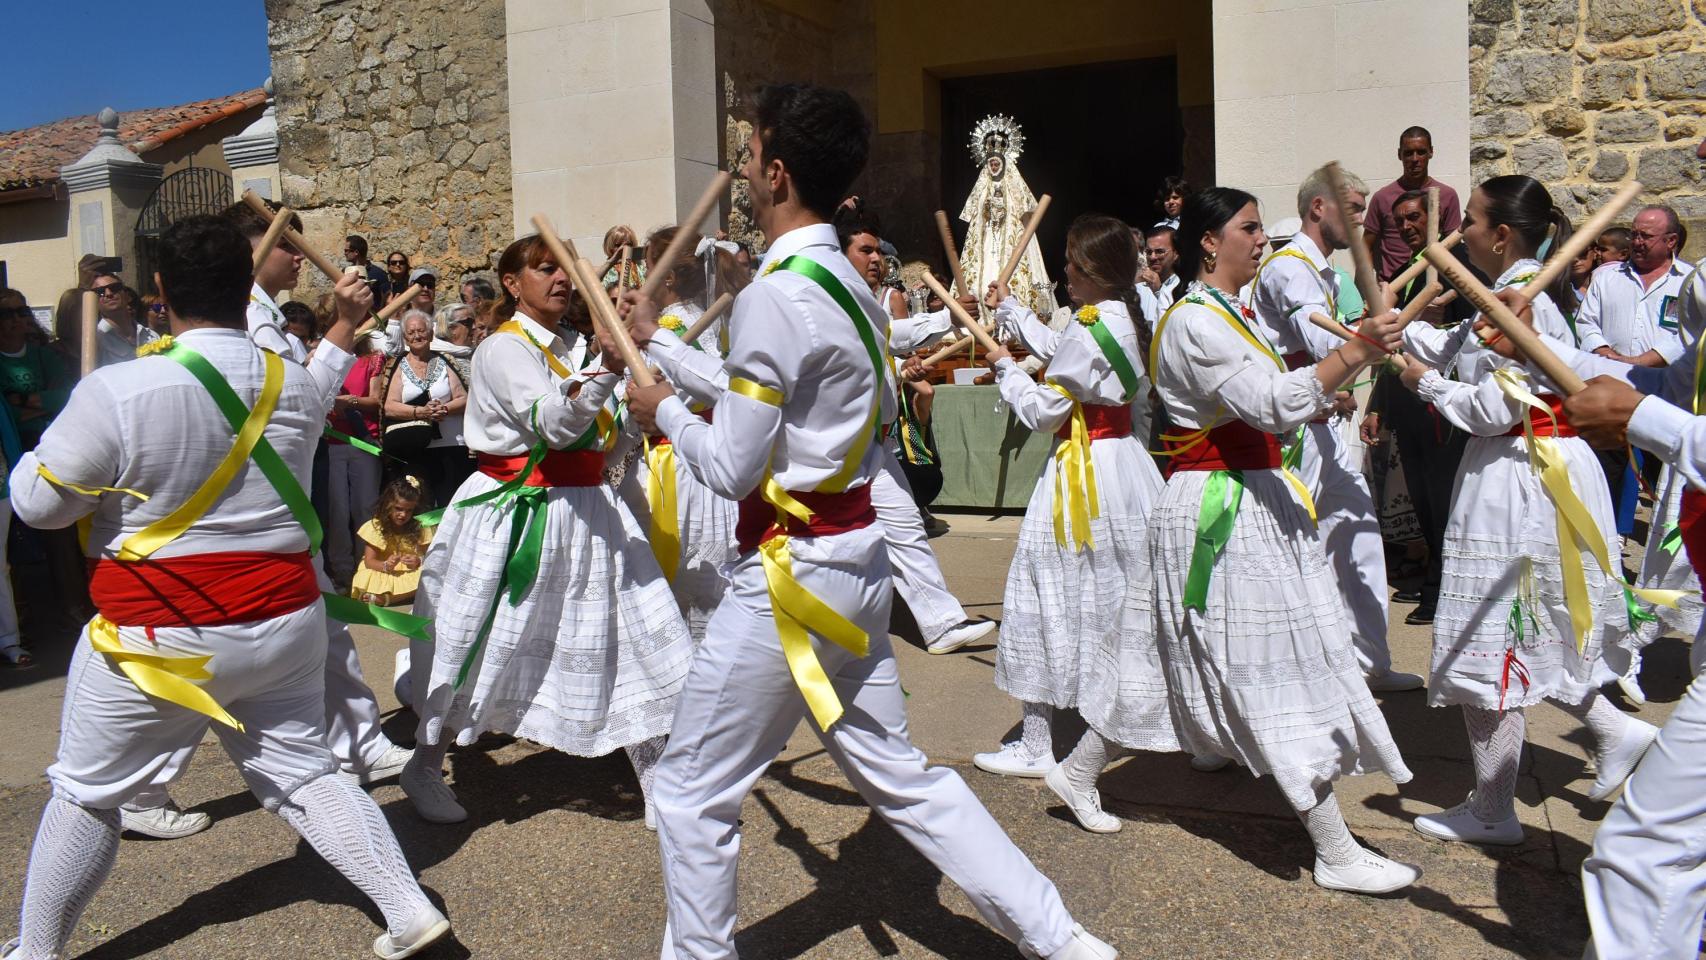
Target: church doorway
x=1098, y=137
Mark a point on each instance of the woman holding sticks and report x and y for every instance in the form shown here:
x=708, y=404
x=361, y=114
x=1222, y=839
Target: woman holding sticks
x=551, y=618
x=1232, y=640
x=1519, y=620
x=1082, y=537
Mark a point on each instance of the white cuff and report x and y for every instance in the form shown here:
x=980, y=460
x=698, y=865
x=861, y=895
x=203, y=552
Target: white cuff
x=1658, y=426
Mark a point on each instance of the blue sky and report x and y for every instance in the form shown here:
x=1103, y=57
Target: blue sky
x=77, y=56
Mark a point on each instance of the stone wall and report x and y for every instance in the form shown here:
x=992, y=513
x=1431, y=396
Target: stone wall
x=393, y=123
x=1584, y=94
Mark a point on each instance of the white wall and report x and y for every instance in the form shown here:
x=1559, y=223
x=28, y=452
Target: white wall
x=1300, y=82
x=612, y=113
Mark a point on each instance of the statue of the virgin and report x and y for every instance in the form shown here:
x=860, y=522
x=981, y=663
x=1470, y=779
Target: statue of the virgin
x=995, y=215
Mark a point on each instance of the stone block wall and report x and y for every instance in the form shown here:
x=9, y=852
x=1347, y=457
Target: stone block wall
x=1585, y=94
x=393, y=123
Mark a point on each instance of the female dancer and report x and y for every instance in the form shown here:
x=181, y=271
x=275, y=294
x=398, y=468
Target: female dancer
x=1082, y=537
x=1510, y=630
x=551, y=618
x=1233, y=640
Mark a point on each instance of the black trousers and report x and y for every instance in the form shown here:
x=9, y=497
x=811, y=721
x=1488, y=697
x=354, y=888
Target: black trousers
x=1430, y=457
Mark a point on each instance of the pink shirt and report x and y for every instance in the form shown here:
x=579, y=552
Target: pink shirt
x=1393, y=252
x=358, y=425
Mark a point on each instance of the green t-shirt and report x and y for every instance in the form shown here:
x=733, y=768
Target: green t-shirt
x=38, y=372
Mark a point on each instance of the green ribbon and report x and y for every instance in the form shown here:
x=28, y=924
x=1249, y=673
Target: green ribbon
x=355, y=442
x=344, y=609
x=1116, y=358
x=832, y=285
x=1214, y=530
x=1672, y=542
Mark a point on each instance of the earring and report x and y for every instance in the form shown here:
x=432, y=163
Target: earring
x=1498, y=249
x=1208, y=261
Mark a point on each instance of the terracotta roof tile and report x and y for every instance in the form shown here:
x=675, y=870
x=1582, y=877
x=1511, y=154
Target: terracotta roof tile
x=32, y=156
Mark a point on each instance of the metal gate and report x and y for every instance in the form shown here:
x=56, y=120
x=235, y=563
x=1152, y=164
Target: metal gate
x=187, y=192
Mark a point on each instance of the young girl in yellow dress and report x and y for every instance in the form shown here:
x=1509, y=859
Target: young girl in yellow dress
x=395, y=541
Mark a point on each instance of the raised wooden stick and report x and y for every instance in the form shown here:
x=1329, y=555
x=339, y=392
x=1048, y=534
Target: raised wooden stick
x=280, y=221
x=959, y=313
x=293, y=238
x=1409, y=313
x=621, y=271
x=597, y=301
x=1368, y=283
x=1420, y=264
x=389, y=310
x=1433, y=226
x=949, y=350
x=1018, y=251
x=947, y=234
x=1579, y=241
x=687, y=230
x=88, y=344
x=712, y=312
x=1502, y=317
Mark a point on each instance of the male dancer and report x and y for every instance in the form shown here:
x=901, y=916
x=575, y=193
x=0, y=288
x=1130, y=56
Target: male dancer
x=210, y=606
x=277, y=273
x=1294, y=282
x=805, y=618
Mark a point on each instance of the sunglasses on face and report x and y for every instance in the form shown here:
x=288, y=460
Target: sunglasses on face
x=396, y=263
x=427, y=282
x=110, y=290
x=159, y=308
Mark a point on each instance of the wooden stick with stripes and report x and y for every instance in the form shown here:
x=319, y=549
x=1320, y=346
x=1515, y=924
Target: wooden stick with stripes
x=1505, y=319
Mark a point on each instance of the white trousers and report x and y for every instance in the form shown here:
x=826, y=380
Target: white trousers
x=737, y=711
x=1645, y=883
x=352, y=490
x=8, y=609
x=115, y=741
x=917, y=574
x=1350, y=533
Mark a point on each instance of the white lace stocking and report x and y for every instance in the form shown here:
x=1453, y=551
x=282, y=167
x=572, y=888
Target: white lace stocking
x=343, y=824
x=1495, y=745
x=1605, y=721
x=644, y=756
x=75, y=848
x=1087, y=760
x=1334, y=844
x=1035, y=738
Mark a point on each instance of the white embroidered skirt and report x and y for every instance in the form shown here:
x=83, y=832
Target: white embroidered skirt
x=1665, y=570
x=706, y=523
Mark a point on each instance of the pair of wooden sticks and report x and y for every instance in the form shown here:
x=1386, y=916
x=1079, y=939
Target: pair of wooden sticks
x=978, y=334
x=280, y=229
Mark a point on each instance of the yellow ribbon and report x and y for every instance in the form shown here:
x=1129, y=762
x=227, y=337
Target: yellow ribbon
x=1574, y=522
x=1075, y=482
x=799, y=613
x=144, y=542
x=557, y=366
x=164, y=678
x=756, y=391
x=46, y=474
x=665, y=532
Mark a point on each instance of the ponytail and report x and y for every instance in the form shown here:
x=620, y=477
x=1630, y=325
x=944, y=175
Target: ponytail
x=1561, y=290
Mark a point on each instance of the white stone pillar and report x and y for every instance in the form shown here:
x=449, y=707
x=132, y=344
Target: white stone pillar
x=253, y=154
x=108, y=188
x=612, y=113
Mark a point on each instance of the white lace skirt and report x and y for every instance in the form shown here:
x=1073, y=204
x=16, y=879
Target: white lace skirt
x=1502, y=525
x=1668, y=571
x=1060, y=603
x=591, y=658
x=1266, y=675
x=706, y=523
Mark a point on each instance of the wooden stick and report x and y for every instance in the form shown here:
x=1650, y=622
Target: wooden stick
x=597, y=301
x=1501, y=316
x=1433, y=226
x=621, y=271
x=1415, y=269
x=1030, y=231
x=293, y=238
x=89, y=346
x=947, y=234
x=951, y=349
x=959, y=313
x=1579, y=241
x=1409, y=313
x=686, y=230
x=389, y=310
x=270, y=238
x=717, y=308
x=1368, y=283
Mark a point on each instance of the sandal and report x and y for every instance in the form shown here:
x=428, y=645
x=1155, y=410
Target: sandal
x=16, y=656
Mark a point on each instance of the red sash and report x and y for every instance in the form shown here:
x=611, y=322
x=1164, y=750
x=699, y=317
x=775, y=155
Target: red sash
x=1554, y=426
x=1298, y=359
x=203, y=590
x=832, y=513
x=1692, y=522
x=1104, y=420
x=1230, y=446
x=560, y=468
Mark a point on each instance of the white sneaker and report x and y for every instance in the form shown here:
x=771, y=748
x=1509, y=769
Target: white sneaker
x=1082, y=946
x=164, y=823
x=1086, y=808
x=1010, y=761
x=402, y=680
x=1209, y=763
x=432, y=797
x=1616, y=764
x=423, y=931
x=1458, y=825
x=9, y=949
x=1393, y=681
x=389, y=764
x=967, y=631
x=651, y=816
x=1368, y=873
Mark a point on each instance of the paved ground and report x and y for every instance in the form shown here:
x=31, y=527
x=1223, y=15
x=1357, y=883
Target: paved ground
x=555, y=861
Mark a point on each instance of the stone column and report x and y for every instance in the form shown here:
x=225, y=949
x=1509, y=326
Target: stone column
x=612, y=113
x=108, y=188
x=253, y=154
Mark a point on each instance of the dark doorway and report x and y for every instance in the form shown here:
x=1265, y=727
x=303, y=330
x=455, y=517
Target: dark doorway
x=1098, y=137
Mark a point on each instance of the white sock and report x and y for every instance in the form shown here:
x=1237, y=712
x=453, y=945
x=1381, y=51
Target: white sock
x=644, y=756
x=1035, y=738
x=1334, y=844
x=1495, y=746
x=1606, y=721
x=1087, y=760
x=343, y=824
x=74, y=849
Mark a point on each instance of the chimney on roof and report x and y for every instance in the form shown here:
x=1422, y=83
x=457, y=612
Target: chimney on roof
x=109, y=163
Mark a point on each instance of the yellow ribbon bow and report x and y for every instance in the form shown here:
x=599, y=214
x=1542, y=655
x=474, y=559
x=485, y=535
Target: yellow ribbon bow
x=665, y=530
x=1075, y=482
x=164, y=678
x=799, y=613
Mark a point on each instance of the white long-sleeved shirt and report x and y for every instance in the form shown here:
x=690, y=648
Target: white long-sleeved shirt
x=116, y=347
x=1622, y=312
x=1289, y=288
x=149, y=425
x=786, y=335
x=511, y=377
x=1078, y=366
x=266, y=327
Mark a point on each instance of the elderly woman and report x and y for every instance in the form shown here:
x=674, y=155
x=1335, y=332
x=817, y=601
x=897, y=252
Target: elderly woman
x=424, y=398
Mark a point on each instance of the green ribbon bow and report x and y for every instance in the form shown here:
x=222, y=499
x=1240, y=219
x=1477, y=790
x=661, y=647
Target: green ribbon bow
x=1221, y=497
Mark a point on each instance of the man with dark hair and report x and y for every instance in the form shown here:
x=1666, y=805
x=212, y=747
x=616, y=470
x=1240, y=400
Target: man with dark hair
x=355, y=251
x=1158, y=246
x=217, y=618
x=1385, y=243
x=793, y=439
x=477, y=290
x=120, y=331
x=276, y=274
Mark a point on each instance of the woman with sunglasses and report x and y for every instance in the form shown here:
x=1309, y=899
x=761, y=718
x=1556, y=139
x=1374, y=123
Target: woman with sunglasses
x=397, y=272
